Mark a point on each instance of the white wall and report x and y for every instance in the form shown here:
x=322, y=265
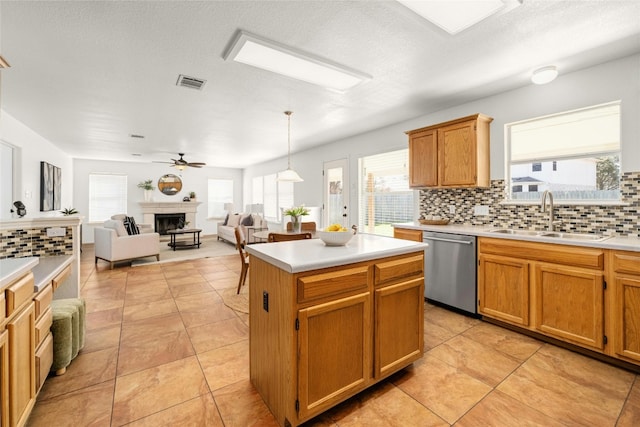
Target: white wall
x=33, y=150
x=619, y=79
x=193, y=179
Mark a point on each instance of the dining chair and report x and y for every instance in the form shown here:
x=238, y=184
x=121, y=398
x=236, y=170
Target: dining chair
x=283, y=237
x=244, y=257
x=304, y=226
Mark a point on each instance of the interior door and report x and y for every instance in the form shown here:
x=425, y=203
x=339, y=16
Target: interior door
x=336, y=193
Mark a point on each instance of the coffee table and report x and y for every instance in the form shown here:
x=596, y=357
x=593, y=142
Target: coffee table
x=195, y=232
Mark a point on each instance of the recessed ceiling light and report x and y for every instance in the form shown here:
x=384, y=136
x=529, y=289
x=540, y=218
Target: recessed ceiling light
x=133, y=135
x=544, y=75
x=454, y=16
x=136, y=154
x=271, y=56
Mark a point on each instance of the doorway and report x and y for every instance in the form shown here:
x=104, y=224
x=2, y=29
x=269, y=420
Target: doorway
x=336, y=193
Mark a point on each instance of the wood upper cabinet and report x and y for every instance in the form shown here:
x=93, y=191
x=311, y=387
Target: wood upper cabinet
x=450, y=154
x=553, y=289
x=503, y=289
x=625, y=267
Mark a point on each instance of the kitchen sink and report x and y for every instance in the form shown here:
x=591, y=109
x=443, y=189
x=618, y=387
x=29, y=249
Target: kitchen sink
x=552, y=234
x=574, y=236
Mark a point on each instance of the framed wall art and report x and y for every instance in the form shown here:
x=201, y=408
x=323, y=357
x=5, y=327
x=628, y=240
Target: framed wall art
x=50, y=187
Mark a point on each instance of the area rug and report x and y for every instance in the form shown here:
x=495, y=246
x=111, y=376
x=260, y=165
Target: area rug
x=238, y=302
x=209, y=247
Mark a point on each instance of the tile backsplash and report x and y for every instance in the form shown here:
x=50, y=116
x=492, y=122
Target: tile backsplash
x=622, y=220
x=19, y=243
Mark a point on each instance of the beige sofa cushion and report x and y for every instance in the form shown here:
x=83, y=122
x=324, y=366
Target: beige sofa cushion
x=234, y=220
x=116, y=225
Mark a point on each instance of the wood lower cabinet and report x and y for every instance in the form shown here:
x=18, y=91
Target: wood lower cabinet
x=407, y=234
x=319, y=337
x=451, y=154
x=503, y=289
x=625, y=274
x=4, y=378
x=556, y=290
x=21, y=343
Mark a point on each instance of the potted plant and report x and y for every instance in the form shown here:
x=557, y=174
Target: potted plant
x=295, y=214
x=68, y=211
x=147, y=186
x=192, y=195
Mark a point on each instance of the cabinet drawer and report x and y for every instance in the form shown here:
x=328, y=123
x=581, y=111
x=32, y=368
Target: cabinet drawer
x=43, y=300
x=43, y=326
x=19, y=292
x=57, y=281
x=399, y=268
x=626, y=262
x=334, y=283
x=44, y=360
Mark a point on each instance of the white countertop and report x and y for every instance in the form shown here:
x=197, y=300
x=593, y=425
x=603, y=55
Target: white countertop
x=618, y=243
x=14, y=268
x=305, y=255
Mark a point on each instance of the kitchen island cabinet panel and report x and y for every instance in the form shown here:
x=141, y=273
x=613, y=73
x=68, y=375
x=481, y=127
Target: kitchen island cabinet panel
x=4, y=378
x=22, y=380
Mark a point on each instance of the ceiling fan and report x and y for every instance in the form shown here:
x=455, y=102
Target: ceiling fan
x=181, y=163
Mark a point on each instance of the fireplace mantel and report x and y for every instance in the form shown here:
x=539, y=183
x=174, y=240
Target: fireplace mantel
x=149, y=209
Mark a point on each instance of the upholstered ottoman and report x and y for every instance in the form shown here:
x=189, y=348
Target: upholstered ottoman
x=68, y=331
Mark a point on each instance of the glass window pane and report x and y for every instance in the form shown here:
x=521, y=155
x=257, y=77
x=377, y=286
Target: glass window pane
x=220, y=191
x=107, y=196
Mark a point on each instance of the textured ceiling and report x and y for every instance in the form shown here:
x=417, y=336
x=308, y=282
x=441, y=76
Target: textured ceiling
x=87, y=74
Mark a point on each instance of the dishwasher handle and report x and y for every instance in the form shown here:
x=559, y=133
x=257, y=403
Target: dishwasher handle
x=439, y=239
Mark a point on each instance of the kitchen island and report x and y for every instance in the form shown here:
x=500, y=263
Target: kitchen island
x=328, y=322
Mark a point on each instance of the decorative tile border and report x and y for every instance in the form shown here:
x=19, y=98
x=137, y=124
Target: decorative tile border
x=22, y=243
x=610, y=220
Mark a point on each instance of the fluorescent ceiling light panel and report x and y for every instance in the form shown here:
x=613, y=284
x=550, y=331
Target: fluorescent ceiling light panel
x=271, y=56
x=454, y=16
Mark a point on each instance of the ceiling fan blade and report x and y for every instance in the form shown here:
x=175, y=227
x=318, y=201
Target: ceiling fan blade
x=196, y=164
x=158, y=161
x=193, y=166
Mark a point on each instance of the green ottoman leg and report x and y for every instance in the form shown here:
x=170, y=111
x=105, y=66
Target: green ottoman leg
x=62, y=331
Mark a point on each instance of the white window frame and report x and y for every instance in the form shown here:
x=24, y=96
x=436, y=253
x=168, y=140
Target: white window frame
x=104, y=202
x=609, y=147
x=219, y=192
x=274, y=195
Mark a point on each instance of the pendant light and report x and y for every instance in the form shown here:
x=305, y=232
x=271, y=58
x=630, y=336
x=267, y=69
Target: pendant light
x=289, y=175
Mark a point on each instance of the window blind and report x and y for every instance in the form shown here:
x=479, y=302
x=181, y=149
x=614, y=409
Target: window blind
x=107, y=196
x=220, y=191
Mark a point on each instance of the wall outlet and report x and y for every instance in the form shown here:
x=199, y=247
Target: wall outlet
x=56, y=232
x=452, y=209
x=481, y=210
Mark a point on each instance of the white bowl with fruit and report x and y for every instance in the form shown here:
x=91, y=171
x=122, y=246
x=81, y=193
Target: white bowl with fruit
x=335, y=235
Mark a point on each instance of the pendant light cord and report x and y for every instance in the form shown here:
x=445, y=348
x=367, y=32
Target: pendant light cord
x=288, y=113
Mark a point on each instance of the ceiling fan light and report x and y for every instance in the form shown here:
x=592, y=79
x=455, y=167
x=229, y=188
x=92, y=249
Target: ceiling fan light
x=180, y=167
x=544, y=75
x=289, y=175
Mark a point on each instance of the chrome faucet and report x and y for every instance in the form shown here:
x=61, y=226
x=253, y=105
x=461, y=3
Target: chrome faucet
x=544, y=208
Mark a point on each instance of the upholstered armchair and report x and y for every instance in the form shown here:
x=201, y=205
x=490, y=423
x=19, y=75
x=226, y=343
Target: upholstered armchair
x=114, y=244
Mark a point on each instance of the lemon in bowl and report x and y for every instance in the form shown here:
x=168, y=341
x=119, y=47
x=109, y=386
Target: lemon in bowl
x=335, y=235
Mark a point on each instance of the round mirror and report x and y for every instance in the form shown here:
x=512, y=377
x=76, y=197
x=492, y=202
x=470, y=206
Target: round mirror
x=169, y=184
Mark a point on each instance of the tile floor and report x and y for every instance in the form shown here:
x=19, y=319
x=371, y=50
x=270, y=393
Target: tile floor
x=163, y=350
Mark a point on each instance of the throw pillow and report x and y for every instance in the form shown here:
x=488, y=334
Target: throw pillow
x=226, y=219
x=130, y=226
x=247, y=221
x=118, y=226
x=234, y=220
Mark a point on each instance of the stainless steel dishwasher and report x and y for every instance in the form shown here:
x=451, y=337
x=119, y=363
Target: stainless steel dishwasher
x=450, y=270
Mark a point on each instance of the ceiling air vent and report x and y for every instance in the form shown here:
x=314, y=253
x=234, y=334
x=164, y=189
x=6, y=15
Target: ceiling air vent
x=190, y=82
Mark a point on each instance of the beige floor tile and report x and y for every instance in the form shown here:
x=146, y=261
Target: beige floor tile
x=219, y=334
x=98, y=339
x=226, y=365
x=197, y=302
x=87, y=369
x=571, y=387
x=144, y=393
x=137, y=276
x=434, y=335
x=145, y=310
x=241, y=405
x=107, y=292
x=200, y=411
x=152, y=342
x=104, y=318
x=103, y=304
x=384, y=405
x=444, y=389
x=448, y=319
x=500, y=410
x=153, y=291
x=90, y=406
x=509, y=342
x=189, y=288
x=475, y=359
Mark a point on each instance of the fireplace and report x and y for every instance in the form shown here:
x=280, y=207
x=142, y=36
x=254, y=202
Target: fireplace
x=168, y=221
x=150, y=210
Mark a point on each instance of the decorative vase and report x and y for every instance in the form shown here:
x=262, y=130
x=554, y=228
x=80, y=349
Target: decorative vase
x=147, y=195
x=296, y=224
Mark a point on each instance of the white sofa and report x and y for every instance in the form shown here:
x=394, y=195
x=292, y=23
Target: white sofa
x=226, y=231
x=113, y=244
